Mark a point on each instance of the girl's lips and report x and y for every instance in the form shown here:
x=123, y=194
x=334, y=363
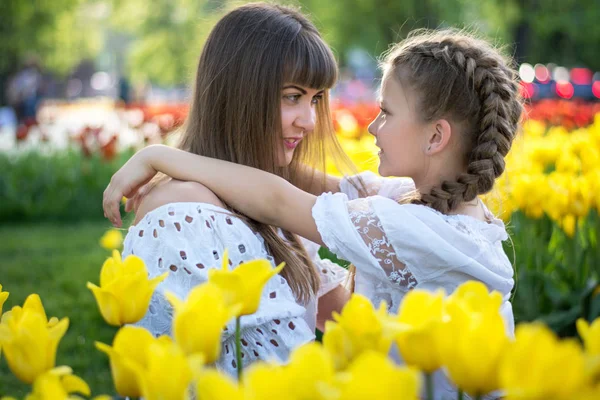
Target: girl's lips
x=291, y=143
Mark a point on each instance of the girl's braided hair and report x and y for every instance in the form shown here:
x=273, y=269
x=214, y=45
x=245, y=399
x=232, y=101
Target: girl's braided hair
x=467, y=80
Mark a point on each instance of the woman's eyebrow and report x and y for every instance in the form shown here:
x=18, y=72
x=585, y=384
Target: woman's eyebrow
x=295, y=87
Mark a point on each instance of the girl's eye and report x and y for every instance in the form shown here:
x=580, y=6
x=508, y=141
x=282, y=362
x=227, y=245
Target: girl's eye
x=317, y=99
x=382, y=112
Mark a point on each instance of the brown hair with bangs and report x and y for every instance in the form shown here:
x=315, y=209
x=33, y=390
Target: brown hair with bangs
x=235, y=113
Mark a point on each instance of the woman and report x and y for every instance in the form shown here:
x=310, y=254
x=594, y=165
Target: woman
x=260, y=100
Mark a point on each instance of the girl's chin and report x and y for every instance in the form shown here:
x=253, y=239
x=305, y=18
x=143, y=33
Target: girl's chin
x=382, y=169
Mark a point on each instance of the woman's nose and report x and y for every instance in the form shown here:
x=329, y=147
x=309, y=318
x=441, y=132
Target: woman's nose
x=307, y=119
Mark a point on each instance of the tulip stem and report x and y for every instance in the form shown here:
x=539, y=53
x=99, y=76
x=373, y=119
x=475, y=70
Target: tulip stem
x=238, y=347
x=429, y=385
x=461, y=395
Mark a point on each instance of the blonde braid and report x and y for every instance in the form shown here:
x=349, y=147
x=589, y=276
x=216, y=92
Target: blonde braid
x=491, y=105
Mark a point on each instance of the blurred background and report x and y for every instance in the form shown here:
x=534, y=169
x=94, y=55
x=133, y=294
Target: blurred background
x=85, y=83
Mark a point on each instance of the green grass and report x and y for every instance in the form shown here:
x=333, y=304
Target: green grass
x=56, y=261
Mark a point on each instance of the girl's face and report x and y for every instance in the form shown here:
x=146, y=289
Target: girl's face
x=298, y=118
x=399, y=132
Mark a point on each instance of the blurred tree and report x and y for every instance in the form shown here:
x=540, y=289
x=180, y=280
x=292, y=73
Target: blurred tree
x=565, y=32
x=50, y=30
x=374, y=25
x=167, y=36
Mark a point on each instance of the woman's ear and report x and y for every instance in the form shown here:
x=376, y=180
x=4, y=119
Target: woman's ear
x=439, y=136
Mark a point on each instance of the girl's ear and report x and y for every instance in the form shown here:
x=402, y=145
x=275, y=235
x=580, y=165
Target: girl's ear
x=439, y=136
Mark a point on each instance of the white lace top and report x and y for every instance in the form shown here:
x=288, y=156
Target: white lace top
x=187, y=240
x=396, y=248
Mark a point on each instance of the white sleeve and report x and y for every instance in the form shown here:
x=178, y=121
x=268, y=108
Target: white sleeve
x=331, y=275
x=187, y=240
x=354, y=232
x=392, y=188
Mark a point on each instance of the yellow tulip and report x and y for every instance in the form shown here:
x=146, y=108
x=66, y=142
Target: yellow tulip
x=589, y=393
x=3, y=297
x=214, y=385
x=267, y=381
x=420, y=317
x=474, y=338
x=568, y=225
x=57, y=384
x=311, y=372
x=130, y=347
x=112, y=239
x=168, y=374
x=590, y=334
x=244, y=284
x=538, y=366
x=125, y=290
x=206, y=306
x=357, y=329
x=374, y=376
x=29, y=340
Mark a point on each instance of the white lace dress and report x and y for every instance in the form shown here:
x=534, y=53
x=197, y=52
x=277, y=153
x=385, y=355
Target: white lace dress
x=396, y=248
x=187, y=240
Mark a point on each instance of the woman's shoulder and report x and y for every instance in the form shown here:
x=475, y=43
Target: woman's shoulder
x=175, y=192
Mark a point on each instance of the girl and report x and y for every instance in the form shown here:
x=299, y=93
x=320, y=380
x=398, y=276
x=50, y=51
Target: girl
x=260, y=100
x=450, y=109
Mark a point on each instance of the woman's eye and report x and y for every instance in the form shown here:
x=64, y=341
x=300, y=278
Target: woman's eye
x=382, y=112
x=317, y=99
x=292, y=97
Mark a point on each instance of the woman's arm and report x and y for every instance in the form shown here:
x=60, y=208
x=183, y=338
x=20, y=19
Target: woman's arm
x=260, y=195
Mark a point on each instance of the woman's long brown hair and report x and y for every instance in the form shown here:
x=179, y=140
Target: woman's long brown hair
x=235, y=112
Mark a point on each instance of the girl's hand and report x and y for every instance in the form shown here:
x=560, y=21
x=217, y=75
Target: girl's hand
x=128, y=181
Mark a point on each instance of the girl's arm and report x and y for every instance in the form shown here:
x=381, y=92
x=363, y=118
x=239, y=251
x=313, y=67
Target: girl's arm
x=262, y=196
x=316, y=182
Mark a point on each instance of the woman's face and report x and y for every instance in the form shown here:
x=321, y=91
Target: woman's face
x=298, y=118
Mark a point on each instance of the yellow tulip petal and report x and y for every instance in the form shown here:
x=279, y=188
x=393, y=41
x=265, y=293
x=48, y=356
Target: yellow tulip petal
x=134, y=264
x=58, y=330
x=167, y=375
x=214, y=385
x=590, y=334
x=225, y=262
x=52, y=321
x=5, y=333
x=34, y=303
x=175, y=301
x=124, y=371
x=74, y=384
x=583, y=328
x=3, y=297
x=109, y=271
x=104, y=348
x=108, y=305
